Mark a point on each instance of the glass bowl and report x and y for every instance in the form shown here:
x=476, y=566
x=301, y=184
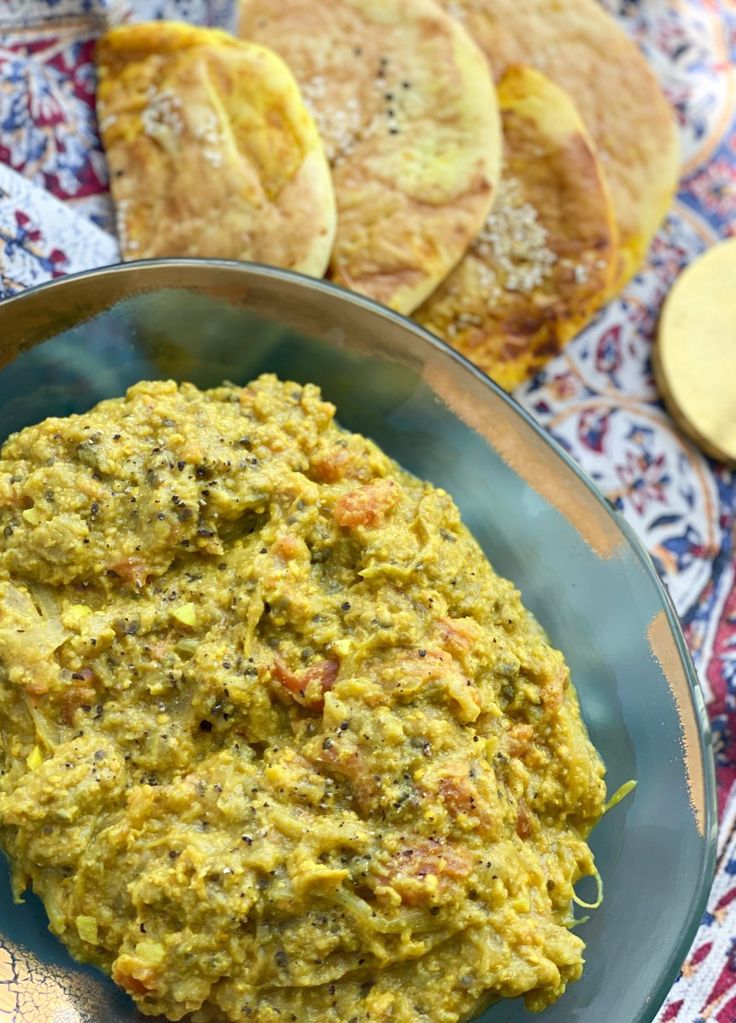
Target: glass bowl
x=68, y=344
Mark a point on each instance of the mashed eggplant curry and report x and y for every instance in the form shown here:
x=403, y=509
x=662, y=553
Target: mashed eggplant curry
x=276, y=743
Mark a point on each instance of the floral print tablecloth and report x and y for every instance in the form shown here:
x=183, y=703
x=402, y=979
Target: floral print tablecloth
x=597, y=398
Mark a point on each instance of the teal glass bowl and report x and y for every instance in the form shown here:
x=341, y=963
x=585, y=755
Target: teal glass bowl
x=68, y=344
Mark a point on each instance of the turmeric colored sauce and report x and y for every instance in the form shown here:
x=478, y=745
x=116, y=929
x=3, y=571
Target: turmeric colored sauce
x=276, y=743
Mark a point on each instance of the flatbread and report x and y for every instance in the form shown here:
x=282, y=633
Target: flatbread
x=211, y=150
x=581, y=48
x=548, y=252
x=407, y=110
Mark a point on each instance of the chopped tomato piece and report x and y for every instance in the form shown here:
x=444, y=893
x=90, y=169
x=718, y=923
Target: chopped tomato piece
x=412, y=670
x=458, y=795
x=133, y=571
x=433, y=858
x=524, y=823
x=461, y=796
x=553, y=690
x=302, y=687
x=325, y=673
x=349, y=763
x=287, y=678
x=520, y=739
x=458, y=634
x=288, y=546
x=429, y=664
x=333, y=466
x=367, y=505
x=81, y=691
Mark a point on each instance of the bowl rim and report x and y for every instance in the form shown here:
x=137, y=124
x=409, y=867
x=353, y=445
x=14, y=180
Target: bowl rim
x=146, y=268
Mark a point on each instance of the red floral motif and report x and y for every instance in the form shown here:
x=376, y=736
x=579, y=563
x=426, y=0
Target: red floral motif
x=715, y=186
x=671, y=1012
x=644, y=479
x=47, y=125
x=608, y=350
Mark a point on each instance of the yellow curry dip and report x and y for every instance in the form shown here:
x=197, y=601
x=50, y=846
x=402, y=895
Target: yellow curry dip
x=276, y=743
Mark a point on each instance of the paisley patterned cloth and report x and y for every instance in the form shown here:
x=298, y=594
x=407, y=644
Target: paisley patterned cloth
x=597, y=399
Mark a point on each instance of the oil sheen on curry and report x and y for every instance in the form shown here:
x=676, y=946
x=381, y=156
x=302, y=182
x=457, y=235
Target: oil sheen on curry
x=276, y=743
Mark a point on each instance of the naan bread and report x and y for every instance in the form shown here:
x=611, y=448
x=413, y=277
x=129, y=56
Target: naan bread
x=548, y=253
x=211, y=150
x=581, y=48
x=407, y=110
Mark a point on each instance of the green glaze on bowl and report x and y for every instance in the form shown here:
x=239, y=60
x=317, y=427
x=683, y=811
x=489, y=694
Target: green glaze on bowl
x=66, y=345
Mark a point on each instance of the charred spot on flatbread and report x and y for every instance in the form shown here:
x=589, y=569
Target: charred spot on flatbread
x=547, y=254
x=583, y=50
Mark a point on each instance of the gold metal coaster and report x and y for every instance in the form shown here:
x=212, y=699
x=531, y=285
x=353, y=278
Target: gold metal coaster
x=695, y=355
